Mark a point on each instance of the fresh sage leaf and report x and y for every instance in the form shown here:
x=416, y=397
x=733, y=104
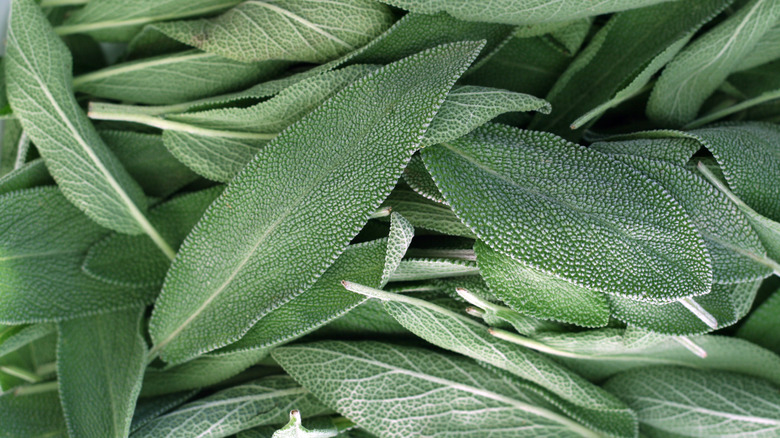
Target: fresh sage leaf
x=295, y=429
x=147, y=410
x=761, y=327
x=37, y=414
x=24, y=337
x=30, y=175
x=423, y=213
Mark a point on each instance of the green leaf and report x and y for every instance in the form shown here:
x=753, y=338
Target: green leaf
x=620, y=60
x=530, y=195
x=30, y=175
x=762, y=327
x=119, y=20
x=418, y=178
x=41, y=251
x=295, y=429
x=426, y=214
x=33, y=415
x=201, y=372
x=504, y=317
x=147, y=410
x=461, y=334
x=659, y=145
x=396, y=391
x=281, y=219
x=685, y=402
x=195, y=73
x=539, y=294
x=702, y=66
x=510, y=12
x=370, y=263
x=133, y=261
x=24, y=337
x=90, y=176
x=264, y=401
x=300, y=30
x=9, y=147
x=414, y=269
x=100, y=361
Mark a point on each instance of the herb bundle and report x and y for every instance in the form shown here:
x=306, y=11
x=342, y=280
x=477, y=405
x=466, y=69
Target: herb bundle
x=395, y=218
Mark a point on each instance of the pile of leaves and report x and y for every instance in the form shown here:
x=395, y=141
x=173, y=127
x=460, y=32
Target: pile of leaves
x=300, y=218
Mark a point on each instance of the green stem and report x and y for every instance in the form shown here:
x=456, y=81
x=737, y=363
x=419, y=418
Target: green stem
x=701, y=313
x=23, y=374
x=37, y=389
x=691, y=346
x=765, y=97
x=56, y=3
x=46, y=369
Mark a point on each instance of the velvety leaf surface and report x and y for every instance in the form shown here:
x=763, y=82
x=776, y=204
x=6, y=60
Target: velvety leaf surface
x=289, y=223
x=762, y=327
x=529, y=196
x=423, y=213
x=32, y=415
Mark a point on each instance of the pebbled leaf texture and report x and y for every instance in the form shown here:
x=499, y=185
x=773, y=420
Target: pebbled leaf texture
x=38, y=71
x=695, y=403
x=293, y=30
x=287, y=226
x=100, y=362
x=529, y=195
x=32, y=415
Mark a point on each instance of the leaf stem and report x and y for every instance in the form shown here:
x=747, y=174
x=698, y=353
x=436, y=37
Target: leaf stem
x=46, y=369
x=55, y=3
x=23, y=374
x=691, y=346
x=700, y=312
x=37, y=389
x=97, y=112
x=382, y=212
x=459, y=254
x=22, y=148
x=765, y=97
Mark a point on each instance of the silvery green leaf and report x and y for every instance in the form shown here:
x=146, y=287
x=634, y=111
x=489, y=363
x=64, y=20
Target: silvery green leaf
x=370, y=263
x=461, y=334
x=100, y=362
x=423, y=213
x=294, y=30
x=528, y=12
x=200, y=372
x=530, y=195
x=41, y=253
x=90, y=176
x=30, y=175
x=766, y=50
x=702, y=66
x=119, y=20
x=418, y=178
x=24, y=337
x=620, y=60
x=499, y=316
x=264, y=401
x=661, y=145
x=133, y=261
x=366, y=320
x=413, y=269
x=539, y=294
x=9, y=146
x=195, y=74
x=32, y=415
x=762, y=326
x=274, y=216
x=695, y=403
x=148, y=409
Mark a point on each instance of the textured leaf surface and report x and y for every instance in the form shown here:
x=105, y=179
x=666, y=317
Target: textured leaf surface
x=195, y=74
x=42, y=249
x=369, y=263
x=463, y=335
x=538, y=294
x=147, y=410
x=24, y=337
x=32, y=415
x=294, y=30
x=289, y=226
x=294, y=429
x=529, y=195
x=100, y=361
x=701, y=67
x=38, y=72
x=32, y=174
x=264, y=401
x=699, y=403
x=426, y=214
x=762, y=326
x=396, y=391
x=528, y=12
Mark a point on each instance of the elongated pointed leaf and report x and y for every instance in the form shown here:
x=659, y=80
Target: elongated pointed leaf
x=25, y=336
x=32, y=174
x=264, y=401
x=463, y=335
x=701, y=67
x=762, y=326
x=396, y=391
x=689, y=402
x=300, y=30
x=100, y=362
x=32, y=415
x=283, y=218
x=510, y=12
x=147, y=410
x=423, y=213
x=40, y=258
x=38, y=72
x=530, y=195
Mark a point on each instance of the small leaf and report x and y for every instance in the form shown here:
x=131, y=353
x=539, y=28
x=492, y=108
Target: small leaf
x=100, y=361
x=423, y=213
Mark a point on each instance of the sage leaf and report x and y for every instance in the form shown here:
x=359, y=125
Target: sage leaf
x=620, y=60
x=441, y=393
x=371, y=262
x=38, y=72
x=661, y=145
x=302, y=30
x=538, y=294
x=685, y=402
x=133, y=261
x=414, y=269
x=196, y=75
x=761, y=327
x=24, y=337
x=701, y=67
x=463, y=335
x=272, y=207
x=147, y=410
x=41, y=257
x=37, y=414
x=509, y=12
x=32, y=174
x=118, y=20
x=418, y=178
x=295, y=429
x=264, y=401
x=99, y=365
x=423, y=213
x=509, y=185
